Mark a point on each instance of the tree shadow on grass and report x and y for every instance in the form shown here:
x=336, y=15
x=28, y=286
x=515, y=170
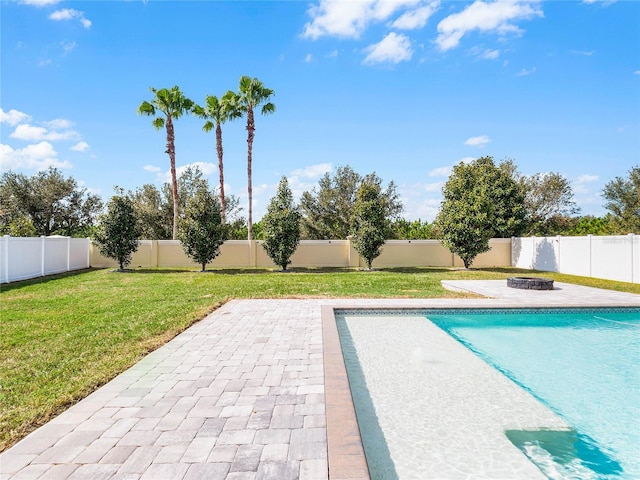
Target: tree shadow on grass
x=6, y=287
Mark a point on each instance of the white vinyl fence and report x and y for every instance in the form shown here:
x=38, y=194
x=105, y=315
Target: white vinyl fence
x=608, y=257
x=23, y=258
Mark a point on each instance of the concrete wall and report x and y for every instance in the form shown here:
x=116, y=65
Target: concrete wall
x=311, y=253
x=607, y=257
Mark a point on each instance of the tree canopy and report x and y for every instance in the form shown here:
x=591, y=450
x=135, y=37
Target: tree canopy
x=202, y=230
x=481, y=201
x=549, y=203
x=622, y=197
x=46, y=203
x=117, y=231
x=326, y=211
x=281, y=226
x=369, y=223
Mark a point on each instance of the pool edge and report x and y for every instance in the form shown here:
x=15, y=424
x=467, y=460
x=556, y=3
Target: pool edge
x=345, y=452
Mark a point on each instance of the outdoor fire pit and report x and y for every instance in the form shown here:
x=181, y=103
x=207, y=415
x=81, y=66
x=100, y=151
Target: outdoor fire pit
x=530, y=283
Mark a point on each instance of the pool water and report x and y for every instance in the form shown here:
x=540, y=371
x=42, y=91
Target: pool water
x=561, y=386
x=582, y=364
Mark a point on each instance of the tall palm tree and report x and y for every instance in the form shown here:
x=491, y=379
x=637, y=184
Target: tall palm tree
x=217, y=111
x=251, y=95
x=172, y=104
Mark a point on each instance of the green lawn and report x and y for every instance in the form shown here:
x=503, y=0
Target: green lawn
x=64, y=336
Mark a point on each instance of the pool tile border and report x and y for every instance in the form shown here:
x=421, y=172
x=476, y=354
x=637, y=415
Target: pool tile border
x=346, y=456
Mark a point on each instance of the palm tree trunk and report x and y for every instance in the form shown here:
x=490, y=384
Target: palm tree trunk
x=223, y=206
x=171, y=151
x=250, y=129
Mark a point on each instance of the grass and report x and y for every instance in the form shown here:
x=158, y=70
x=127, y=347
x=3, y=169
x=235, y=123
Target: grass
x=66, y=335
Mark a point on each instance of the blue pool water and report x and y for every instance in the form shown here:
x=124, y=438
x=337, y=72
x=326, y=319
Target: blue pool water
x=583, y=364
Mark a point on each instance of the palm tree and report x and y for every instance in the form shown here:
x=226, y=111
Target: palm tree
x=172, y=104
x=219, y=111
x=251, y=95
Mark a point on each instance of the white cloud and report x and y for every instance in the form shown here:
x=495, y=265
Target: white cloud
x=44, y=63
x=67, y=47
x=313, y=171
x=490, y=54
x=582, y=188
x=13, y=117
x=586, y=53
x=441, y=171
x=332, y=54
x=206, y=168
x=416, y=18
x=80, y=147
x=604, y=3
x=39, y=3
x=524, y=72
x=467, y=160
x=349, y=19
x=152, y=168
x=56, y=133
x=498, y=16
x=393, y=48
x=39, y=156
x=342, y=19
x=71, y=14
x=479, y=141
x=308, y=58
x=637, y=72
x=433, y=187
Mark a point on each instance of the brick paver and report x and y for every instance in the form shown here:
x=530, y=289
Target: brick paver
x=239, y=395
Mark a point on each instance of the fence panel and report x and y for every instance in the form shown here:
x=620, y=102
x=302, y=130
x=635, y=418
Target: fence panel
x=22, y=258
x=575, y=253
x=612, y=258
x=55, y=254
x=607, y=257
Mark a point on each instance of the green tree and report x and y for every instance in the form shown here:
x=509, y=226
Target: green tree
x=281, y=226
x=402, y=229
x=326, y=211
x=549, y=203
x=171, y=104
x=202, y=230
x=153, y=212
x=481, y=201
x=622, y=197
x=218, y=111
x=19, y=227
x=117, y=231
x=369, y=224
x=51, y=203
x=251, y=95
x=590, y=225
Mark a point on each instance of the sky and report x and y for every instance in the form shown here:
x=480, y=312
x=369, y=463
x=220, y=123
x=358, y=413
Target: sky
x=403, y=88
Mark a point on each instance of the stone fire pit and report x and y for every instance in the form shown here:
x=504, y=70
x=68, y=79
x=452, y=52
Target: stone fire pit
x=530, y=283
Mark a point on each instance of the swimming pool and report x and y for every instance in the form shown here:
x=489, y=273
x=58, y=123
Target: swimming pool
x=582, y=364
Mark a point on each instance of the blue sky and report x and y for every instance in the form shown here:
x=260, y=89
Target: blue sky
x=405, y=88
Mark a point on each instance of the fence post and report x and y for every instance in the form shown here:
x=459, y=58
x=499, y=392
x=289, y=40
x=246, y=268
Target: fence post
x=631, y=253
x=68, y=254
x=533, y=252
x=88, y=252
x=590, y=253
x=6, y=258
x=42, y=253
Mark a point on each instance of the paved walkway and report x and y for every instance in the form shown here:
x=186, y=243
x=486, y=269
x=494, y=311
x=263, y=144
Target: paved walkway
x=240, y=395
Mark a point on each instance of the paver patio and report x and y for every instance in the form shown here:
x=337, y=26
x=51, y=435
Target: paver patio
x=239, y=395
